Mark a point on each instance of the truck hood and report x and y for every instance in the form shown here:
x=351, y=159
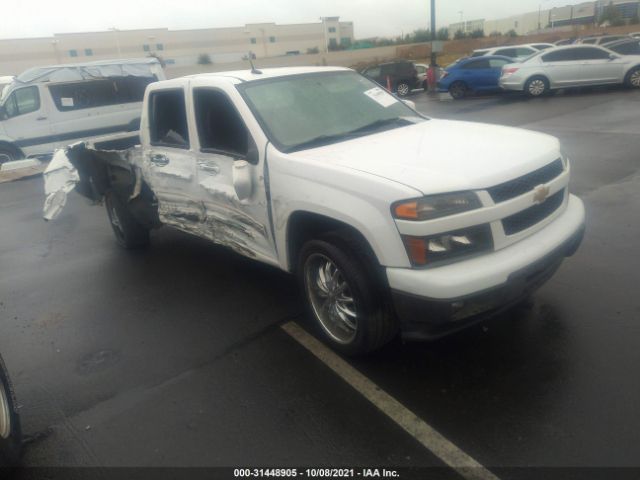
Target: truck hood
x=440, y=156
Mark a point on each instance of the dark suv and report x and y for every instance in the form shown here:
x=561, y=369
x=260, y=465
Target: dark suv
x=402, y=75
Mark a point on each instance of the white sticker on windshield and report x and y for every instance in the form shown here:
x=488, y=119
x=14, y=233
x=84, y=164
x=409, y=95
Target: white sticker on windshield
x=380, y=96
x=66, y=102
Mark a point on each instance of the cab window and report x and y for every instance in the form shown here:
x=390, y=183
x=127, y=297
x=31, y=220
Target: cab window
x=168, y=119
x=24, y=100
x=220, y=127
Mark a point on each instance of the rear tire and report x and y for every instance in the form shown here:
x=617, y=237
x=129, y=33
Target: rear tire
x=10, y=432
x=128, y=231
x=9, y=154
x=344, y=297
x=536, y=87
x=458, y=90
x=632, y=79
x=403, y=88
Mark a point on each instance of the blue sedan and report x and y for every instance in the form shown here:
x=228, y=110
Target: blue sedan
x=474, y=74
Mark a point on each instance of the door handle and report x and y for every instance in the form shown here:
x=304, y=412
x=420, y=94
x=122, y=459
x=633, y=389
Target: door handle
x=42, y=118
x=211, y=168
x=159, y=160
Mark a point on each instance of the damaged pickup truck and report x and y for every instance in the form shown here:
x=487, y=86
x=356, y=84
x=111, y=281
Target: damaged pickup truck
x=392, y=221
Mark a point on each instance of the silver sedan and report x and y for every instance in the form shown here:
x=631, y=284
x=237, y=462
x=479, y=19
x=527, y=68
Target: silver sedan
x=571, y=66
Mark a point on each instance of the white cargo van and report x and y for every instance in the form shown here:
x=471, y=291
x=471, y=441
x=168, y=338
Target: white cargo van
x=49, y=107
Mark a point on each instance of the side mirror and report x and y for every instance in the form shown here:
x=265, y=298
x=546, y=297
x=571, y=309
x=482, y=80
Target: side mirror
x=242, y=181
x=612, y=56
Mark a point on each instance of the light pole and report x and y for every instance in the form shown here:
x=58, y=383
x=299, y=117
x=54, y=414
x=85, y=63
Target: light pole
x=117, y=37
x=54, y=44
x=434, y=58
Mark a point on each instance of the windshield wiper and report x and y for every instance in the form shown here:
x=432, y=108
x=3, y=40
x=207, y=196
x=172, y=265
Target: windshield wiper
x=376, y=126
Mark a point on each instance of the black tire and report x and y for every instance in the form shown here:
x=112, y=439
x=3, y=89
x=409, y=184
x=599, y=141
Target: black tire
x=375, y=322
x=536, y=86
x=10, y=432
x=8, y=153
x=458, y=90
x=128, y=231
x=632, y=80
x=403, y=88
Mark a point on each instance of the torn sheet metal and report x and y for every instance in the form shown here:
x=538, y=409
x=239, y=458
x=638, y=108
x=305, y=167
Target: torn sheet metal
x=60, y=178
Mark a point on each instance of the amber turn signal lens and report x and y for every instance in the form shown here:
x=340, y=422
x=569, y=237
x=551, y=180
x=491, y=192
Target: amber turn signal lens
x=417, y=250
x=407, y=210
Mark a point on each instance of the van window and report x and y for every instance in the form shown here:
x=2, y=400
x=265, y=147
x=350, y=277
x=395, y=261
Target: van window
x=168, y=119
x=24, y=100
x=220, y=127
x=99, y=93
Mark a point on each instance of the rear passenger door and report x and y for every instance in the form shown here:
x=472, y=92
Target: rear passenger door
x=231, y=173
x=169, y=162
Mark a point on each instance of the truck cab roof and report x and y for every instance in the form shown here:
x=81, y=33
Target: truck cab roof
x=241, y=76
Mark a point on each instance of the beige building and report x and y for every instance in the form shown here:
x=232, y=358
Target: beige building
x=176, y=47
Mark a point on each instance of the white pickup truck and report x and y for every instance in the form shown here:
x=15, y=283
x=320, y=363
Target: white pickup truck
x=392, y=221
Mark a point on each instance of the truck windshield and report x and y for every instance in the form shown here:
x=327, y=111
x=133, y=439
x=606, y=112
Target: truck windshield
x=310, y=110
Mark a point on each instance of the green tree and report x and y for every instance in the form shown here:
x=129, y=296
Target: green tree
x=612, y=15
x=443, y=34
x=204, y=59
x=512, y=33
x=635, y=20
x=459, y=35
x=479, y=33
x=495, y=33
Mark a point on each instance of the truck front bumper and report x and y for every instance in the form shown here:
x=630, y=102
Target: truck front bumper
x=431, y=303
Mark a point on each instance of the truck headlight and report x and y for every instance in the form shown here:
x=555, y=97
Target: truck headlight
x=446, y=247
x=435, y=206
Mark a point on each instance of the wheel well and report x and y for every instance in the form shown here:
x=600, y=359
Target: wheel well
x=305, y=226
x=543, y=77
x=12, y=147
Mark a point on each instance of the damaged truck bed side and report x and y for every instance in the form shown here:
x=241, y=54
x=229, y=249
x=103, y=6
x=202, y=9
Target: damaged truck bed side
x=389, y=221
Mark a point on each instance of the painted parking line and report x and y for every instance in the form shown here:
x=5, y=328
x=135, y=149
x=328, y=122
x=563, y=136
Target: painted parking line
x=437, y=444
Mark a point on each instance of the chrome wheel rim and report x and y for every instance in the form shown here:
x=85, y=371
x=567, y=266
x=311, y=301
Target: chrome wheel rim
x=5, y=157
x=635, y=78
x=403, y=89
x=457, y=90
x=537, y=87
x=331, y=298
x=5, y=417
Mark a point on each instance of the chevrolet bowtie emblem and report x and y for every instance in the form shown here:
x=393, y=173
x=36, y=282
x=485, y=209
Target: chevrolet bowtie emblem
x=540, y=193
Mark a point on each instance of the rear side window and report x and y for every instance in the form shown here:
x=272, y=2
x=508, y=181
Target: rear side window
x=476, y=64
x=525, y=52
x=593, y=54
x=24, y=100
x=590, y=41
x=372, y=72
x=99, y=93
x=478, y=54
x=220, y=127
x=566, y=55
x=168, y=119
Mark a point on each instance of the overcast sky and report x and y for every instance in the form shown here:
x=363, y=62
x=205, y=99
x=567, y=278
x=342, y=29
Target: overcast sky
x=36, y=18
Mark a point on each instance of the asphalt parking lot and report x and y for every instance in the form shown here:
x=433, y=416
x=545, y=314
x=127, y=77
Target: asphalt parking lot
x=176, y=357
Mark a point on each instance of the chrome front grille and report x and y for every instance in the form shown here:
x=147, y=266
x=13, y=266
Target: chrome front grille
x=515, y=188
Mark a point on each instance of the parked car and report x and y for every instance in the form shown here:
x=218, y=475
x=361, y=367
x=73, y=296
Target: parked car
x=4, y=81
x=47, y=107
x=401, y=75
x=629, y=46
x=542, y=46
x=422, y=69
x=515, y=52
x=474, y=74
x=601, y=39
x=10, y=433
x=389, y=220
x=573, y=66
x=635, y=34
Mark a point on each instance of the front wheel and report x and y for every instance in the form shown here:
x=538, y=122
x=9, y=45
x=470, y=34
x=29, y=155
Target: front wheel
x=128, y=231
x=10, y=434
x=458, y=90
x=344, y=298
x=403, y=89
x=633, y=78
x=536, y=87
x=8, y=154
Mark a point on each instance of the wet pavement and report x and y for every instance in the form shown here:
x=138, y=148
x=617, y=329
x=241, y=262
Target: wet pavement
x=174, y=356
